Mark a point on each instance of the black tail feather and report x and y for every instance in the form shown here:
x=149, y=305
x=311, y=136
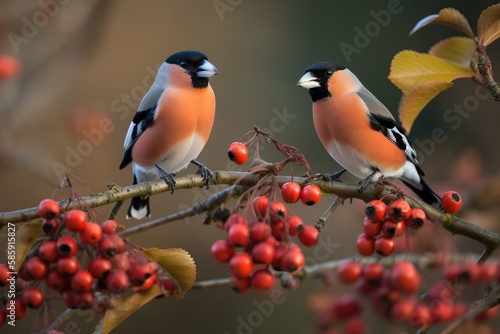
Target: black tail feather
x=426, y=193
x=139, y=207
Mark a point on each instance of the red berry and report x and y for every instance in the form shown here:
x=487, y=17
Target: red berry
x=263, y=252
x=346, y=306
x=372, y=228
x=110, y=226
x=117, y=281
x=349, y=272
x=70, y=298
x=292, y=260
x=66, y=246
x=373, y=272
x=33, y=297
x=91, y=234
x=84, y=300
x=309, y=235
x=19, y=307
x=293, y=223
x=239, y=235
x=37, y=268
x=278, y=230
x=99, y=267
x=68, y=265
x=139, y=273
x=290, y=192
x=56, y=281
x=222, y=251
x=235, y=219
x=376, y=210
x=451, y=202
x=121, y=261
x=48, y=209
x=310, y=195
x=237, y=153
x=148, y=283
x=48, y=251
x=262, y=279
x=168, y=285
x=417, y=219
x=111, y=245
x=399, y=210
x=390, y=227
x=365, y=245
x=240, y=285
x=75, y=220
x=402, y=309
x=441, y=311
x=421, y=316
x=355, y=326
x=277, y=210
x=50, y=226
x=404, y=277
x=259, y=205
x=384, y=245
x=260, y=231
x=488, y=314
x=241, y=265
x=10, y=66
x=4, y=275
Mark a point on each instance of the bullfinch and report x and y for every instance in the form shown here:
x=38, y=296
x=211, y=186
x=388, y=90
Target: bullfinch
x=172, y=124
x=359, y=132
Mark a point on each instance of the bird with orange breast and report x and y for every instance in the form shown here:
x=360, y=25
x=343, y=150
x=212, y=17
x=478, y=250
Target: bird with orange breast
x=359, y=132
x=172, y=124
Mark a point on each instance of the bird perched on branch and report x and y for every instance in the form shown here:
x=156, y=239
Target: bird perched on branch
x=359, y=132
x=172, y=124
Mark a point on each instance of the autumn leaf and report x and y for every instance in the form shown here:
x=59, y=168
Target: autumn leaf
x=179, y=265
x=26, y=236
x=416, y=99
x=410, y=69
x=459, y=50
x=488, y=25
x=123, y=308
x=447, y=16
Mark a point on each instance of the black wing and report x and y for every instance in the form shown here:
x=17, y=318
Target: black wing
x=388, y=127
x=141, y=121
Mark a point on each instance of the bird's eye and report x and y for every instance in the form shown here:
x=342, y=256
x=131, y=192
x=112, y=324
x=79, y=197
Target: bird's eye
x=329, y=73
x=183, y=64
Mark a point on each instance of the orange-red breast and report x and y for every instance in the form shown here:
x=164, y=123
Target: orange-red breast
x=172, y=124
x=359, y=132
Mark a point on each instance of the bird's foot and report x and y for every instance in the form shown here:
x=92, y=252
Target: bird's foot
x=369, y=179
x=168, y=177
x=205, y=173
x=333, y=177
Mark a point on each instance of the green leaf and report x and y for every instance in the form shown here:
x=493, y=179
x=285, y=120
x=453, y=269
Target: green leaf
x=447, y=16
x=410, y=69
x=179, y=265
x=416, y=99
x=26, y=236
x=488, y=25
x=123, y=308
x=456, y=49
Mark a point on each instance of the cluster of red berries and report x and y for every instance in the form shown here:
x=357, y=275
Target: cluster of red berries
x=383, y=224
x=90, y=258
x=393, y=293
x=265, y=245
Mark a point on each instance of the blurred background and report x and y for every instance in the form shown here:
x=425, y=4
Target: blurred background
x=88, y=63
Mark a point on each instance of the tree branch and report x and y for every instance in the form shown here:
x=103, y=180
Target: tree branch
x=450, y=222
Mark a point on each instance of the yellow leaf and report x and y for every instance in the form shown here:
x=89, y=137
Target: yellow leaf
x=456, y=49
x=488, y=25
x=26, y=236
x=416, y=99
x=179, y=265
x=123, y=308
x=447, y=16
x=410, y=69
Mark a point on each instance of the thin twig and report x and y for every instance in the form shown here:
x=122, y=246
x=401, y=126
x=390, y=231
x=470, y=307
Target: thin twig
x=320, y=224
